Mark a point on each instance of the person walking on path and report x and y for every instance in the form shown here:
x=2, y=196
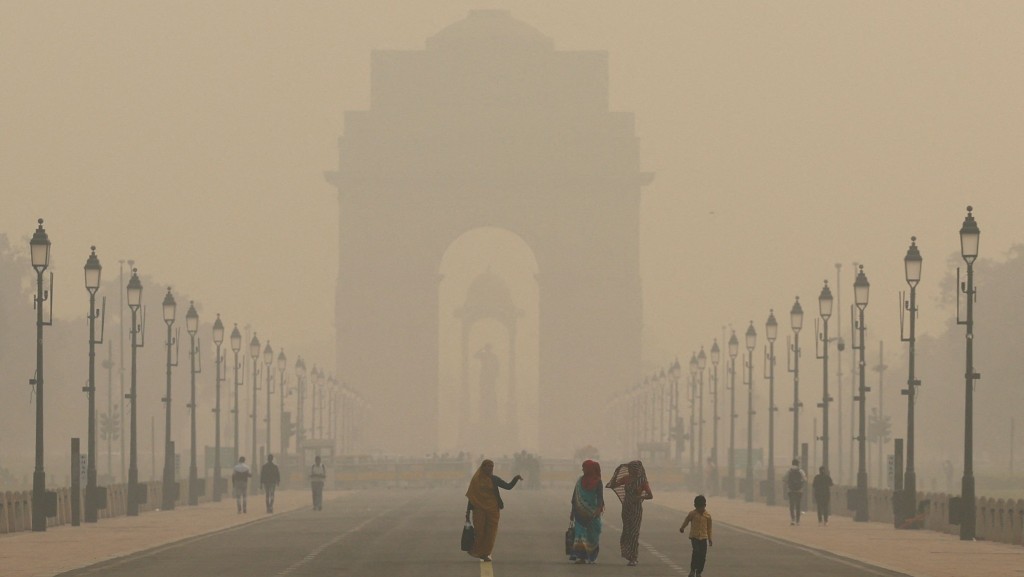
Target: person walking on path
x=587, y=506
x=795, y=482
x=630, y=485
x=270, y=478
x=240, y=483
x=699, y=521
x=485, y=504
x=822, y=487
x=317, y=478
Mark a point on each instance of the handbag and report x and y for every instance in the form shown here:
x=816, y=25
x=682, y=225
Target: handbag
x=570, y=537
x=468, y=536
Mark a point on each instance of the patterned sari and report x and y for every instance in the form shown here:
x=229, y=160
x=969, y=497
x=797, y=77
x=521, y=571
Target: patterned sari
x=587, y=506
x=630, y=485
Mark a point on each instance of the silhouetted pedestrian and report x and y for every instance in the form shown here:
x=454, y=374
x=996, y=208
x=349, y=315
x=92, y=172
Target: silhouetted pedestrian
x=795, y=482
x=270, y=478
x=821, y=486
x=240, y=483
x=317, y=477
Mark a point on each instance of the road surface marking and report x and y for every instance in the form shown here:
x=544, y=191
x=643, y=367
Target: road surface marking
x=313, y=554
x=657, y=554
x=487, y=569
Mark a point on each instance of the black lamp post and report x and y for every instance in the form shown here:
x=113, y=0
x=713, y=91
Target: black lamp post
x=170, y=486
x=715, y=357
x=751, y=342
x=138, y=327
x=734, y=349
x=192, y=326
x=218, y=340
x=282, y=363
x=702, y=363
x=912, y=268
x=254, y=352
x=300, y=418
x=825, y=310
x=860, y=299
x=796, y=321
x=692, y=397
x=93, y=269
x=40, y=252
x=771, y=332
x=268, y=360
x=969, y=236
x=236, y=346
x=674, y=371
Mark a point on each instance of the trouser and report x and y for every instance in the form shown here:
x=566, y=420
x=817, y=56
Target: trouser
x=700, y=555
x=795, y=497
x=823, y=509
x=240, y=498
x=270, y=490
x=485, y=526
x=318, y=494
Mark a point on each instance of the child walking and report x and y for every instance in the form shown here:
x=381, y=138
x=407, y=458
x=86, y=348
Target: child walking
x=699, y=521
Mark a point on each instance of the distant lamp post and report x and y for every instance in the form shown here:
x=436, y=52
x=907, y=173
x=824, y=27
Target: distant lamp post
x=912, y=269
x=254, y=352
x=970, y=234
x=860, y=299
x=702, y=363
x=751, y=342
x=170, y=485
x=825, y=311
x=796, y=321
x=771, y=332
x=268, y=360
x=138, y=328
x=93, y=269
x=734, y=349
x=40, y=253
x=282, y=364
x=300, y=377
x=692, y=397
x=236, y=346
x=192, y=326
x=218, y=340
x=715, y=358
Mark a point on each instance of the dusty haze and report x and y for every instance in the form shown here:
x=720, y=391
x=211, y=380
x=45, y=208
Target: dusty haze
x=785, y=137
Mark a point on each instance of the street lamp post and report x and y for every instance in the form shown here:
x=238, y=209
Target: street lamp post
x=692, y=397
x=300, y=422
x=796, y=321
x=674, y=372
x=860, y=299
x=170, y=486
x=218, y=340
x=825, y=311
x=236, y=346
x=734, y=349
x=751, y=342
x=134, y=304
x=254, y=352
x=268, y=360
x=282, y=363
x=969, y=236
x=715, y=357
x=771, y=332
x=702, y=363
x=192, y=326
x=912, y=269
x=93, y=269
x=40, y=253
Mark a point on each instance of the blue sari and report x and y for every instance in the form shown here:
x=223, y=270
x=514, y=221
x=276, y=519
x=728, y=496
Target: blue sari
x=586, y=512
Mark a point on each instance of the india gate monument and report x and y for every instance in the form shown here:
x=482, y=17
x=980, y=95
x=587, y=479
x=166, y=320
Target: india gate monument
x=489, y=294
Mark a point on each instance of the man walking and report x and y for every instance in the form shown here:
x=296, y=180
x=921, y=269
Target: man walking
x=240, y=483
x=795, y=482
x=317, y=476
x=822, y=487
x=270, y=478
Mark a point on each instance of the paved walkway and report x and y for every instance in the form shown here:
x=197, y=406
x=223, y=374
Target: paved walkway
x=59, y=549
x=916, y=553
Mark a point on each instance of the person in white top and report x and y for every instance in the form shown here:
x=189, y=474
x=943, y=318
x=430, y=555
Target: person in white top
x=240, y=483
x=317, y=476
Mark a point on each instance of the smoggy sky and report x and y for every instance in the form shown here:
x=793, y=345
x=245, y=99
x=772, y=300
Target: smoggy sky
x=785, y=137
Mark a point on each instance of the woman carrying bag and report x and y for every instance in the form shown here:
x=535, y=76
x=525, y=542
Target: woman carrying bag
x=485, y=505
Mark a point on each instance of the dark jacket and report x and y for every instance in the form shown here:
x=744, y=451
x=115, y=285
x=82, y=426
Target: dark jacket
x=498, y=482
x=270, y=475
x=821, y=485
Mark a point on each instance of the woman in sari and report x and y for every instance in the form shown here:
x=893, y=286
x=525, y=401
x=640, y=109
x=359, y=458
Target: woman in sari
x=485, y=505
x=630, y=485
x=587, y=506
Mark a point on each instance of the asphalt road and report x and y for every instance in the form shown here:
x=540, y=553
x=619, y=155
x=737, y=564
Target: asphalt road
x=398, y=533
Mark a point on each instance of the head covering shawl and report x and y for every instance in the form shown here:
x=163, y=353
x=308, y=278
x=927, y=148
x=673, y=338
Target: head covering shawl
x=591, y=475
x=630, y=478
x=481, y=487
